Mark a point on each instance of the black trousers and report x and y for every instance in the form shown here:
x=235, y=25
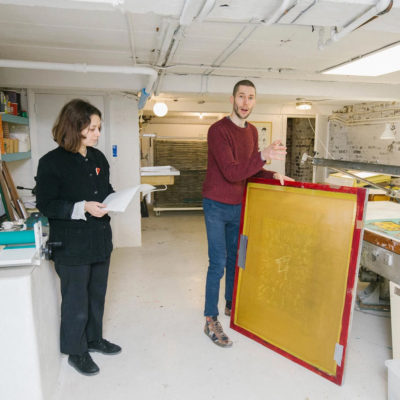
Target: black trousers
x=83, y=292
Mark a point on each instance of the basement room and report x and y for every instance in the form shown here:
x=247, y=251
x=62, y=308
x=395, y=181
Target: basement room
x=200, y=199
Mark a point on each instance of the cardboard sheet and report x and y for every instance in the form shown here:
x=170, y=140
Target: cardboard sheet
x=297, y=286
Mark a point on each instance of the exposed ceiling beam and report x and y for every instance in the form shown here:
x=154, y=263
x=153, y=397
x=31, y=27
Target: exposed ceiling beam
x=129, y=23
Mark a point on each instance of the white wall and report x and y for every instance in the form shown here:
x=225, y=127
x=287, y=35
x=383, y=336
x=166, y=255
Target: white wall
x=321, y=146
x=354, y=133
x=124, y=133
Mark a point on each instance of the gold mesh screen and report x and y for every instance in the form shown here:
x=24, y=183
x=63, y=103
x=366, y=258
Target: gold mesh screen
x=292, y=290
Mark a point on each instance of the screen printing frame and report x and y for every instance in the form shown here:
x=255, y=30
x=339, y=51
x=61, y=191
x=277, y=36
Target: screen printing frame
x=349, y=295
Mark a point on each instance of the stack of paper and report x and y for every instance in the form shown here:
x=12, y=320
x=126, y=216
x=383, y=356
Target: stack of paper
x=119, y=201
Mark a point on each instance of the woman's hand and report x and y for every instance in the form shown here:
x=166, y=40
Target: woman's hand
x=95, y=208
x=282, y=178
x=275, y=151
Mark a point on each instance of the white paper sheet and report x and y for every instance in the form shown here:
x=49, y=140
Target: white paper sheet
x=119, y=201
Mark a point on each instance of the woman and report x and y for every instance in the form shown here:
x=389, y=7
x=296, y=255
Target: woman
x=72, y=181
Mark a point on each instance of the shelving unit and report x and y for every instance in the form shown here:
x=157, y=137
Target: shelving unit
x=16, y=156
x=14, y=119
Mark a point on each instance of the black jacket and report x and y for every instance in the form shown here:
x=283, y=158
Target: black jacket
x=64, y=178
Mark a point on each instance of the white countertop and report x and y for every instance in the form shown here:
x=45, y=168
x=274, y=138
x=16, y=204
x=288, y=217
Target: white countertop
x=382, y=209
x=160, y=170
x=16, y=257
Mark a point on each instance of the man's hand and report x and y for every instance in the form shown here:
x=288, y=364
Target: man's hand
x=282, y=178
x=95, y=208
x=275, y=151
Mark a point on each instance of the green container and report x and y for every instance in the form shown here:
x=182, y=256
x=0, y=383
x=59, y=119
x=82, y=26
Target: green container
x=17, y=237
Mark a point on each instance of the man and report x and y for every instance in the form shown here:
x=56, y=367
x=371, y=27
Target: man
x=233, y=157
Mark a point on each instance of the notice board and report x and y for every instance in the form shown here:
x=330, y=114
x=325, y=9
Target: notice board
x=296, y=271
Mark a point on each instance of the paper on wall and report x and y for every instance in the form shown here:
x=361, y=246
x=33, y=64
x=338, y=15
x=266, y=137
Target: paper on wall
x=119, y=201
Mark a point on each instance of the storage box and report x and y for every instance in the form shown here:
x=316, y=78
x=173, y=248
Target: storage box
x=23, y=142
x=393, y=379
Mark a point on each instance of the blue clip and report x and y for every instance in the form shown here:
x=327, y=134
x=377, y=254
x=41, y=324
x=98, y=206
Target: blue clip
x=143, y=98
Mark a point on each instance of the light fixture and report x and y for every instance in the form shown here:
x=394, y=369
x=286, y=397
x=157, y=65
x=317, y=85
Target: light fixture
x=160, y=109
x=379, y=62
x=303, y=105
x=389, y=132
x=115, y=3
x=201, y=115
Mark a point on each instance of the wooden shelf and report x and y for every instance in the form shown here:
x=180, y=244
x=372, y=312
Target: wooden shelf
x=14, y=119
x=16, y=156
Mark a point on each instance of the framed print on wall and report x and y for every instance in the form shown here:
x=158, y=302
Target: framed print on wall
x=264, y=130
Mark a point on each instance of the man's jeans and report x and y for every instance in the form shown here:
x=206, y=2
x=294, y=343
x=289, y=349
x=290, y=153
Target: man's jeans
x=222, y=224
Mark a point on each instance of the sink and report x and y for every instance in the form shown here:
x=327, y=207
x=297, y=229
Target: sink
x=158, y=170
x=158, y=175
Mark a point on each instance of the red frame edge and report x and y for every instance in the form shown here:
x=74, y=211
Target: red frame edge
x=361, y=194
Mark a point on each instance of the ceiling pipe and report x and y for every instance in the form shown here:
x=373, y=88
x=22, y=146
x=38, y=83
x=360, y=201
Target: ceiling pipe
x=167, y=33
x=279, y=13
x=188, y=13
x=303, y=11
x=240, y=38
x=104, y=5
x=265, y=70
x=186, y=18
x=84, y=68
x=245, y=33
x=206, y=9
x=381, y=7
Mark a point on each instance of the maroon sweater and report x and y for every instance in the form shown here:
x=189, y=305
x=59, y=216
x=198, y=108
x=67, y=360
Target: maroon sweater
x=233, y=157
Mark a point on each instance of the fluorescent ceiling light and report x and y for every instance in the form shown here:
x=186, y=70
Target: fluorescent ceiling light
x=112, y=2
x=380, y=62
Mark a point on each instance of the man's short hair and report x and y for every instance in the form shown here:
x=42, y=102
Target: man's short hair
x=244, y=82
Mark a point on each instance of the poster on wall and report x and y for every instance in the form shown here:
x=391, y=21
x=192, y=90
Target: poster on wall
x=264, y=130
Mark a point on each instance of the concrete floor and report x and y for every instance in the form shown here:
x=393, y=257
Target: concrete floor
x=154, y=310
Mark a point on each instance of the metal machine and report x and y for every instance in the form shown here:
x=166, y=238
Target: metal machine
x=380, y=256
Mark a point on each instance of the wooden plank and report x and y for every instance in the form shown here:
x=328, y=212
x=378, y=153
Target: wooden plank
x=6, y=199
x=18, y=205
x=382, y=241
x=158, y=180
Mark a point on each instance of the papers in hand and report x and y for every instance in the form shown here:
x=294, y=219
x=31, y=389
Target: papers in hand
x=119, y=201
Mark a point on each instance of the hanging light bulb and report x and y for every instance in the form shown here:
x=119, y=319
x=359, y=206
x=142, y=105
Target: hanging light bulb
x=389, y=132
x=160, y=109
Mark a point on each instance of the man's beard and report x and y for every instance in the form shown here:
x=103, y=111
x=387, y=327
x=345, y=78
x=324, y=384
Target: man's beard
x=236, y=110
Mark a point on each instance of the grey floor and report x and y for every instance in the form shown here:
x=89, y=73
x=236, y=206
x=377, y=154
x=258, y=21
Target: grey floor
x=154, y=311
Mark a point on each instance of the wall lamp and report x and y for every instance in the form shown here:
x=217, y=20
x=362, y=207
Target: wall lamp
x=160, y=109
x=303, y=105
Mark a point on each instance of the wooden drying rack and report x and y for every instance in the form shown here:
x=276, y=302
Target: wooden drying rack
x=13, y=205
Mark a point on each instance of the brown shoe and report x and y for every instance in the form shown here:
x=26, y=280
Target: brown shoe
x=214, y=331
x=228, y=308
